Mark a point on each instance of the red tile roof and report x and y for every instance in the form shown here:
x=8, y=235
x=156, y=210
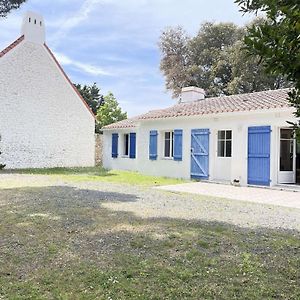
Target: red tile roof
x=265, y=100
x=12, y=46
x=128, y=123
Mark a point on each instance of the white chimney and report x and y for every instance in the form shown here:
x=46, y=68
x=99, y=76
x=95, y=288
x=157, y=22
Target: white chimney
x=33, y=28
x=191, y=94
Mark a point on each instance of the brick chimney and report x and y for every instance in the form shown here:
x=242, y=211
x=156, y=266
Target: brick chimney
x=191, y=94
x=33, y=28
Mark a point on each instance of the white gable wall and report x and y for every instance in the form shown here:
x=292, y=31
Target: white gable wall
x=219, y=168
x=43, y=122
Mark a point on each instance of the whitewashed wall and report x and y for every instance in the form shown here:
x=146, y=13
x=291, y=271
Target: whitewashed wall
x=219, y=168
x=121, y=162
x=43, y=123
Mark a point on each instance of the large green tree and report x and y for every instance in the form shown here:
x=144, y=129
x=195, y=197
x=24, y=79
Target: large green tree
x=92, y=96
x=110, y=112
x=214, y=59
x=7, y=5
x=276, y=41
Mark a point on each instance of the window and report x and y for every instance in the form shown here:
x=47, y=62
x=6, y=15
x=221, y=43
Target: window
x=224, y=143
x=126, y=145
x=287, y=150
x=169, y=144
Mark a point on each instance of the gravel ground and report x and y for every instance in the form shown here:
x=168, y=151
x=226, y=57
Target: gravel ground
x=152, y=203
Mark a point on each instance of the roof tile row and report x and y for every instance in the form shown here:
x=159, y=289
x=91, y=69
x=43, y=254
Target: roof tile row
x=12, y=46
x=271, y=99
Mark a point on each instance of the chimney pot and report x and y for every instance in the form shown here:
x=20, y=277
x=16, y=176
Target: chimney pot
x=191, y=94
x=33, y=28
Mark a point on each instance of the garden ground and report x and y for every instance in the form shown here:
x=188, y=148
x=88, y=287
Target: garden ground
x=92, y=234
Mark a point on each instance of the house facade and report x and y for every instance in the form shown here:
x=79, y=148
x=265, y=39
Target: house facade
x=241, y=138
x=44, y=122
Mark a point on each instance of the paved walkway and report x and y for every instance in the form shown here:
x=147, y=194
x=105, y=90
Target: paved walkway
x=250, y=194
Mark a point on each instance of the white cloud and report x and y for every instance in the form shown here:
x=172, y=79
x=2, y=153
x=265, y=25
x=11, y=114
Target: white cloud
x=86, y=68
x=80, y=16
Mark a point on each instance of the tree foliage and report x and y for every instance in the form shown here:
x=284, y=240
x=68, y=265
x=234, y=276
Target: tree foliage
x=214, y=59
x=91, y=95
x=276, y=40
x=7, y=5
x=110, y=112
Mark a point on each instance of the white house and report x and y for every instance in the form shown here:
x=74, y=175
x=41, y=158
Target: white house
x=240, y=138
x=44, y=122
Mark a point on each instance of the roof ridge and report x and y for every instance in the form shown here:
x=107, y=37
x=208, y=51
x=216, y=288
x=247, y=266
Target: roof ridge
x=236, y=95
x=11, y=46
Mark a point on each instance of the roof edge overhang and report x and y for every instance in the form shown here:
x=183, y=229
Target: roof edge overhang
x=287, y=110
x=20, y=39
x=68, y=80
x=12, y=46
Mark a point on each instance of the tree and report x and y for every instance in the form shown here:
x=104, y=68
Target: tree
x=91, y=95
x=248, y=75
x=109, y=112
x=276, y=41
x=212, y=60
x=7, y=5
x=175, y=58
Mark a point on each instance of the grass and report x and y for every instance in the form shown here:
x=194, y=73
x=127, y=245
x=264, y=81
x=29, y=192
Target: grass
x=60, y=243
x=100, y=174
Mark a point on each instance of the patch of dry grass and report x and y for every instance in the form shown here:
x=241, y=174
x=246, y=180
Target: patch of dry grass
x=61, y=243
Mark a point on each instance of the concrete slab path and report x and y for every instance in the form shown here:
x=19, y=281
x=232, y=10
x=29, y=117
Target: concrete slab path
x=250, y=194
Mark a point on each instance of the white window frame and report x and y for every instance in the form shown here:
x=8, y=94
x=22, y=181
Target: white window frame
x=171, y=144
x=225, y=140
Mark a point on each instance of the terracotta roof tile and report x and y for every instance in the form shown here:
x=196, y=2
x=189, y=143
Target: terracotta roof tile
x=271, y=99
x=12, y=46
x=236, y=103
x=128, y=123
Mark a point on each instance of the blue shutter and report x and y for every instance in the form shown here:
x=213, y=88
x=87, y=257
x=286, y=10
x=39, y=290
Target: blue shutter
x=178, y=144
x=132, y=151
x=259, y=150
x=200, y=154
x=114, y=148
x=153, y=145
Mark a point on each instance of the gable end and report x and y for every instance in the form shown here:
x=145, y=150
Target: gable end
x=68, y=80
x=11, y=46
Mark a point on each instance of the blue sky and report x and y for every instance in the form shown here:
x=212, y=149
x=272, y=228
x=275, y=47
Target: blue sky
x=114, y=42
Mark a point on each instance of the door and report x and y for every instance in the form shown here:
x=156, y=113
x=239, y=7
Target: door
x=259, y=146
x=200, y=154
x=287, y=156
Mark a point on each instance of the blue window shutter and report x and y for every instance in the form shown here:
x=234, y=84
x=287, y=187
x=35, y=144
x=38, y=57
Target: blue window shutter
x=178, y=144
x=114, y=152
x=132, y=151
x=153, y=145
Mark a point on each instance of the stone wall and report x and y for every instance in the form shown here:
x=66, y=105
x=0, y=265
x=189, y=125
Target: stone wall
x=98, y=149
x=43, y=122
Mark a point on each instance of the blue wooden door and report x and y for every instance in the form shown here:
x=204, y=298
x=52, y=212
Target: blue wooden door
x=200, y=154
x=259, y=147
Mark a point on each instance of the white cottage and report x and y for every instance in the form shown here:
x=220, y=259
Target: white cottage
x=240, y=138
x=44, y=122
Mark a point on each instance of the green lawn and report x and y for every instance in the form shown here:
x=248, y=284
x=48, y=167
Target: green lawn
x=61, y=243
x=100, y=174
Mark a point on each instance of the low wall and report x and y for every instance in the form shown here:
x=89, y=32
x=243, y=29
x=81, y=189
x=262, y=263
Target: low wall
x=98, y=149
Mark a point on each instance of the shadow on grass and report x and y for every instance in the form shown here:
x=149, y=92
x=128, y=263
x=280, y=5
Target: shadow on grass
x=59, y=242
x=91, y=171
